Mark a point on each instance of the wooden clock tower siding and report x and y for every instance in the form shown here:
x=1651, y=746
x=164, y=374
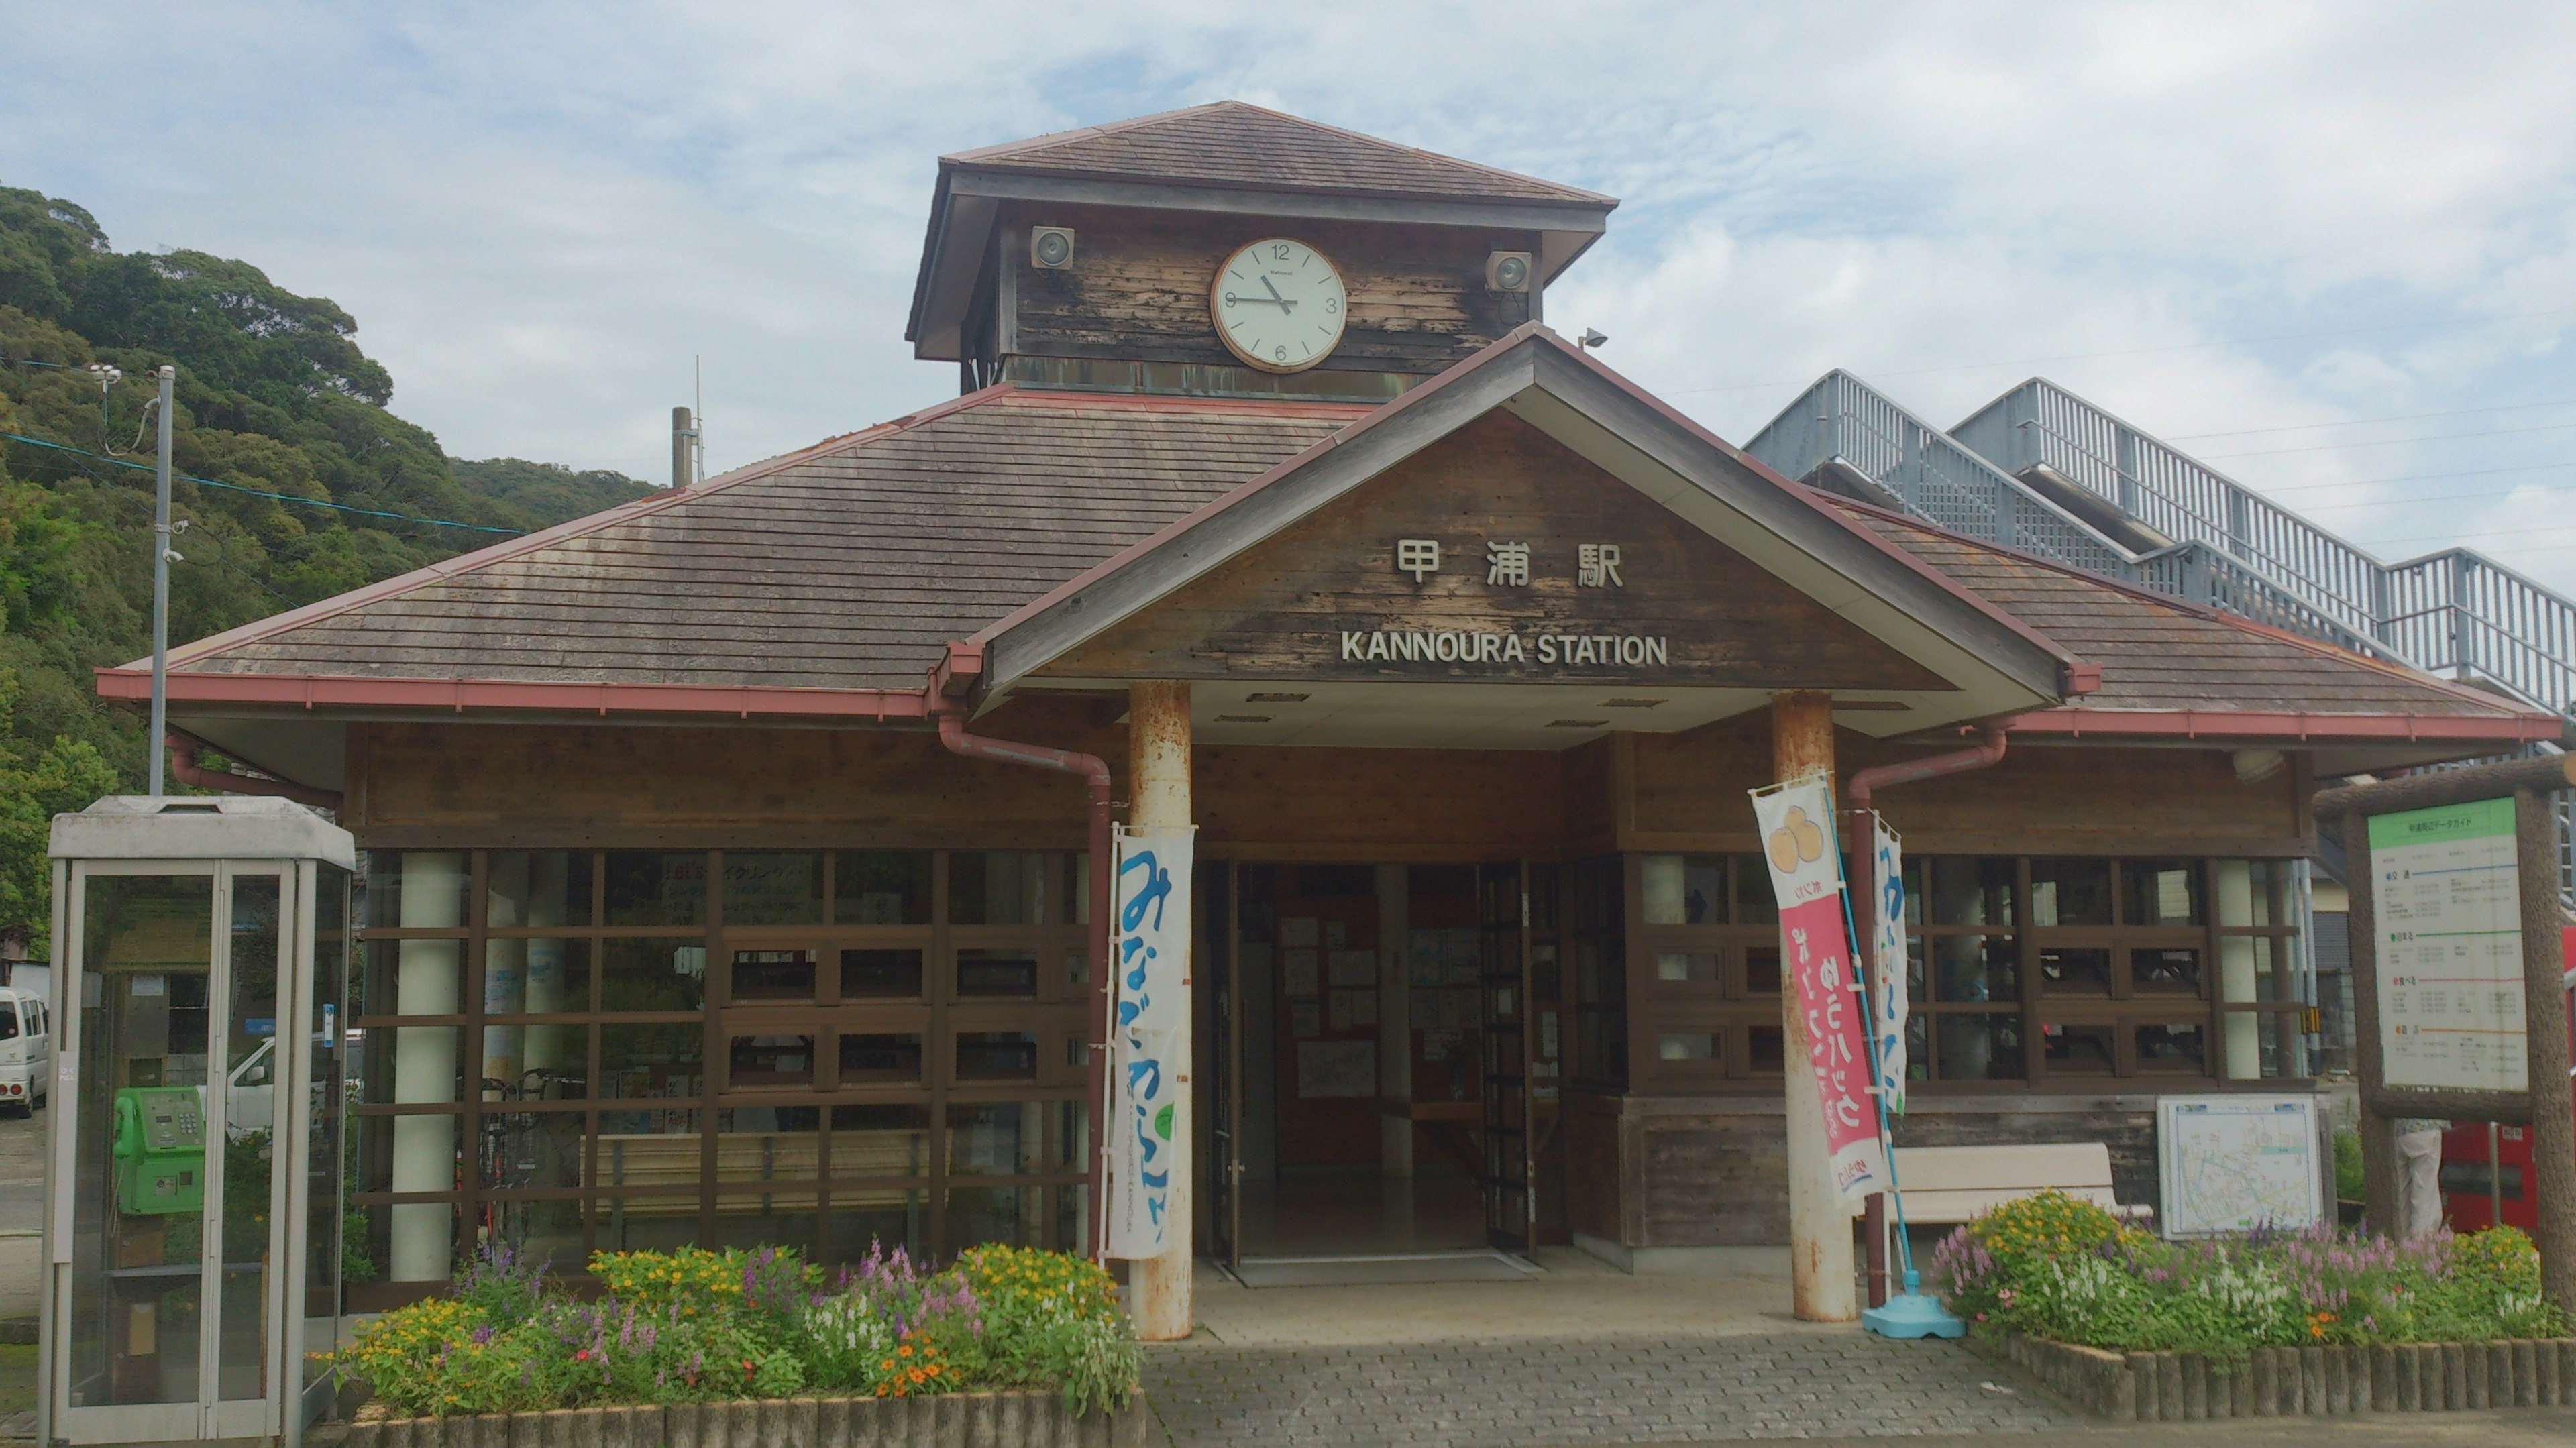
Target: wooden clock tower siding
x=1138, y=290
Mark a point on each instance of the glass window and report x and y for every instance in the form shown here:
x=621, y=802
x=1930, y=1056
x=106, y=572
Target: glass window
x=1761, y=970
x=1682, y=889
x=880, y=1140
x=1687, y=1047
x=997, y=1138
x=997, y=973
x=1012, y=887
x=772, y=889
x=881, y=887
x=769, y=1143
x=2162, y=892
x=1764, y=1050
x=647, y=974
x=2070, y=892
x=784, y=1218
x=874, y=1057
x=997, y=1056
x=536, y=889
x=1979, y=1046
x=2067, y=970
x=2164, y=971
x=881, y=974
x=418, y=889
x=878, y=1220
x=656, y=1147
x=526, y=1151
x=1973, y=969
x=2171, y=1047
x=773, y=975
x=1699, y=967
x=1072, y=1137
x=638, y=1062
x=771, y=1060
x=1944, y=890
x=524, y=977
x=1013, y=1216
x=1754, y=902
x=2080, y=1050
x=646, y=888
x=641, y=1222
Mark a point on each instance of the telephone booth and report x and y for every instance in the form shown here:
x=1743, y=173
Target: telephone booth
x=195, y=1171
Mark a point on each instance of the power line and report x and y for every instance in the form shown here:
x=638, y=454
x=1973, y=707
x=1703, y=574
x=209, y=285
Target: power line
x=2392, y=441
x=258, y=493
x=2358, y=421
x=2143, y=351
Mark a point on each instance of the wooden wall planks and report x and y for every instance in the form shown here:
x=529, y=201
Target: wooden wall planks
x=1279, y=612
x=1138, y=287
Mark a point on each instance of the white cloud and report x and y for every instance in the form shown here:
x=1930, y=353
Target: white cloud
x=2207, y=217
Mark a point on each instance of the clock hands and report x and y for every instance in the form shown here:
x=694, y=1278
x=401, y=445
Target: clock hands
x=1285, y=305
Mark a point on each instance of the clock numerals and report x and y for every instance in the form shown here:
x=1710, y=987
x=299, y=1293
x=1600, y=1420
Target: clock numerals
x=1281, y=280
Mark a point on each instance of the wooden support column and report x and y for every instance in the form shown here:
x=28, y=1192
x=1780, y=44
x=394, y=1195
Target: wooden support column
x=1158, y=792
x=1820, y=1239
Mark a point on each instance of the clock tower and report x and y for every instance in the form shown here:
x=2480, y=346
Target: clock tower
x=1232, y=251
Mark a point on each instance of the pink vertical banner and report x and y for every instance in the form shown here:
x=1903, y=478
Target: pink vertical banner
x=1807, y=876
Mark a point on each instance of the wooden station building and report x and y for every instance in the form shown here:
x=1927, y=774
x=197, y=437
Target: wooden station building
x=683, y=926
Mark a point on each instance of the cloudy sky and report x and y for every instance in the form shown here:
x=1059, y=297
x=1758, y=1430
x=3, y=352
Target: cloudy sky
x=2329, y=248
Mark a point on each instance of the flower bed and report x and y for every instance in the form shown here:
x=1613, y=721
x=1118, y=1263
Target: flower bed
x=686, y=1328
x=2318, y=1321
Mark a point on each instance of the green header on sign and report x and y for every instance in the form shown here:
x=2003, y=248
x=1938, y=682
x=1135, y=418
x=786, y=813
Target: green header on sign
x=2436, y=826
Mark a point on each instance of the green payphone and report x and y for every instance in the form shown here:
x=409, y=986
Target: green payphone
x=160, y=1151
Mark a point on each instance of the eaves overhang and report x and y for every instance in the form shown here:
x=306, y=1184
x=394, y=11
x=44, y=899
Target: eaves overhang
x=1997, y=664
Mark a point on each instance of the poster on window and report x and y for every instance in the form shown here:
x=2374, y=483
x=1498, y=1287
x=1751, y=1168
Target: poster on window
x=1796, y=822
x=1149, y=957
x=1887, y=947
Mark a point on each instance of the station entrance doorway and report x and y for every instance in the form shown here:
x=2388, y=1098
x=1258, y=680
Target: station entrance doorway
x=1384, y=1074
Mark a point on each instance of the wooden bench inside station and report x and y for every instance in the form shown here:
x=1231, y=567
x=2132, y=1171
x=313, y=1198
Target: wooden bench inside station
x=1945, y=1186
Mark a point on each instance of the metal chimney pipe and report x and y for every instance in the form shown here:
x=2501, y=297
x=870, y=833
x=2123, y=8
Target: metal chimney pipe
x=684, y=437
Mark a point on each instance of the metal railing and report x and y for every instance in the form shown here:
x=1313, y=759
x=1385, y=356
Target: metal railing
x=2454, y=612
x=1915, y=466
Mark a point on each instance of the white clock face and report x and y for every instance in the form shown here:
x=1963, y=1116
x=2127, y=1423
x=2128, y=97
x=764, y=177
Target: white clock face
x=1279, y=305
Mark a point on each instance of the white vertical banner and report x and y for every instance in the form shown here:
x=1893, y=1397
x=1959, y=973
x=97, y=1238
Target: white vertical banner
x=1149, y=955
x=1887, y=947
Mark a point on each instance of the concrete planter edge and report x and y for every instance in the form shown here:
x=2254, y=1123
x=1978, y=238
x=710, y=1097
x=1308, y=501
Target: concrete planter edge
x=2320, y=1380
x=951, y=1420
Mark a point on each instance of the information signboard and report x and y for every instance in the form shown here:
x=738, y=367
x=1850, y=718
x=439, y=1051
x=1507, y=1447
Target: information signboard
x=2449, y=936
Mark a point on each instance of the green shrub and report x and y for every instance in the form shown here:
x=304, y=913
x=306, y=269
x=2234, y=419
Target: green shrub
x=2060, y=1269
x=693, y=1326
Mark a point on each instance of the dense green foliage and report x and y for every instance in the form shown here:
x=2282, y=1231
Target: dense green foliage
x=2055, y=1267
x=697, y=1326
x=272, y=393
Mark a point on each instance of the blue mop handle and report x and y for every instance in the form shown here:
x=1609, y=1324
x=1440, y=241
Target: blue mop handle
x=1877, y=1087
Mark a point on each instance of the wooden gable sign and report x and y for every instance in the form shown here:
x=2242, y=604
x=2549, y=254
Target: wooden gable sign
x=1496, y=555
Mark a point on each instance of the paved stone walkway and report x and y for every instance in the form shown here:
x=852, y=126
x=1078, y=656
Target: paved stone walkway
x=1593, y=1390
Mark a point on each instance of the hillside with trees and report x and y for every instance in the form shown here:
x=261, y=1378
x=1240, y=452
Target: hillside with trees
x=273, y=396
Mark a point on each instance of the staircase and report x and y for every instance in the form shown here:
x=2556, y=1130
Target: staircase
x=2044, y=471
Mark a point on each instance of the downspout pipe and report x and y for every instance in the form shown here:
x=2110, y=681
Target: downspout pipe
x=185, y=769
x=1864, y=785
x=1095, y=774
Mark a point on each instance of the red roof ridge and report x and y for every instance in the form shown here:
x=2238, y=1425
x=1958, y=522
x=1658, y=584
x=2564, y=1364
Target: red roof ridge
x=449, y=568
x=2184, y=606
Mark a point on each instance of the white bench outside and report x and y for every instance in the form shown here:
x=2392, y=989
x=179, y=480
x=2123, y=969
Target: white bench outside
x=1945, y=1186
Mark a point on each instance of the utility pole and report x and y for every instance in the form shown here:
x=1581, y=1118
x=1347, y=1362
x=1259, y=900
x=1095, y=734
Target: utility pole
x=161, y=556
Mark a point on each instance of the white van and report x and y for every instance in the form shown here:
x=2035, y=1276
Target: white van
x=26, y=1049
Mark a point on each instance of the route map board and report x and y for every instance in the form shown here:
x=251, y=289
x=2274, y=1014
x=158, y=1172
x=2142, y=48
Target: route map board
x=2448, y=897
x=2234, y=1162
